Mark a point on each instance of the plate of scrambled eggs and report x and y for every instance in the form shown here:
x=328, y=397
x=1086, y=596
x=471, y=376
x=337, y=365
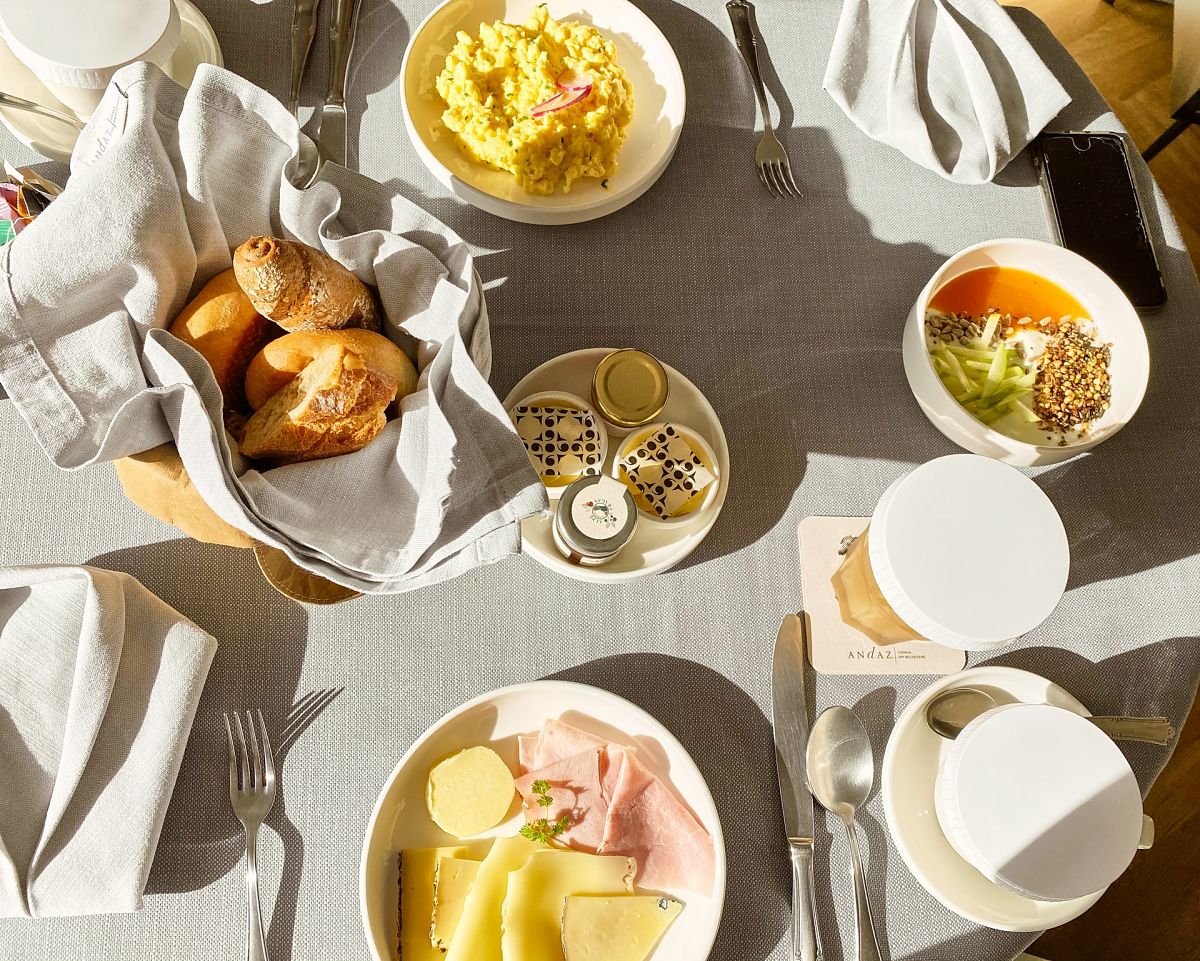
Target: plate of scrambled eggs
x=548, y=112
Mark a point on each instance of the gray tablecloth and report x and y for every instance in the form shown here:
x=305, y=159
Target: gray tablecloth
x=788, y=315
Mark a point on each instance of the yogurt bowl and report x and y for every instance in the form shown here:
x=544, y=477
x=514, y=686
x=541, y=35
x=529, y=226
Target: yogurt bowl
x=1111, y=315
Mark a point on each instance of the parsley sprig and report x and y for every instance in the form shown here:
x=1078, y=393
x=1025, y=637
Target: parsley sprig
x=543, y=830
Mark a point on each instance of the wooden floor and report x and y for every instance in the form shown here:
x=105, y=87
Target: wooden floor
x=1126, y=50
x=1153, y=912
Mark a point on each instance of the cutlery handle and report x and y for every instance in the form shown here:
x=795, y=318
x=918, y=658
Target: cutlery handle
x=304, y=28
x=1153, y=730
x=868, y=946
x=805, y=944
x=256, y=942
x=740, y=15
x=342, y=20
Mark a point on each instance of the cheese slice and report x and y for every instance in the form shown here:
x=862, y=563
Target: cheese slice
x=477, y=937
x=417, y=867
x=615, y=929
x=533, y=906
x=451, y=883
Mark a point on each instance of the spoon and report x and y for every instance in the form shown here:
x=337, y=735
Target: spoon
x=841, y=770
x=20, y=103
x=952, y=710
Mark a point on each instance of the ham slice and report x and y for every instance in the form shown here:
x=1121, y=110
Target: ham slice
x=575, y=787
x=647, y=822
x=526, y=752
x=559, y=741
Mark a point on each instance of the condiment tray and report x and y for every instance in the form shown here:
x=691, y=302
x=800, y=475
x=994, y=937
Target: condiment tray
x=655, y=547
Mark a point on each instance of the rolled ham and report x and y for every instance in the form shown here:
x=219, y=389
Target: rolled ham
x=576, y=790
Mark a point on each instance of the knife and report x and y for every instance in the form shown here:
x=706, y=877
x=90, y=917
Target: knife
x=331, y=140
x=304, y=28
x=789, y=712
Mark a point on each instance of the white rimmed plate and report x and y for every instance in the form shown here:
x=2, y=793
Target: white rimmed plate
x=655, y=547
x=658, y=108
x=400, y=820
x=910, y=767
x=54, y=139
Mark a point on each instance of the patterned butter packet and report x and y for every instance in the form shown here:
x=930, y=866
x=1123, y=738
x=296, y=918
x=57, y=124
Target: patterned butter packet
x=667, y=471
x=563, y=442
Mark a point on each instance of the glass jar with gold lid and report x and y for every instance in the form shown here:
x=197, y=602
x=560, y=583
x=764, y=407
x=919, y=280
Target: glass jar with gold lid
x=629, y=389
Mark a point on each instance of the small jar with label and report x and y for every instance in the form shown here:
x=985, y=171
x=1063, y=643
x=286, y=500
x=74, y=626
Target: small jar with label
x=629, y=390
x=595, y=519
x=964, y=551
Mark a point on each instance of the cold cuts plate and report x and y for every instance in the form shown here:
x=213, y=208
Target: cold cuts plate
x=498, y=720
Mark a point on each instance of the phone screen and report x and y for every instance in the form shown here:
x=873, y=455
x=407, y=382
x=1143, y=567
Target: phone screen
x=1091, y=191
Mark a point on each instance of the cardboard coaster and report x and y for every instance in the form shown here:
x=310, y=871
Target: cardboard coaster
x=833, y=646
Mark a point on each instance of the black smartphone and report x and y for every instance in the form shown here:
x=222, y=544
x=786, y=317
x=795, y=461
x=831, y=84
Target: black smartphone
x=1096, y=211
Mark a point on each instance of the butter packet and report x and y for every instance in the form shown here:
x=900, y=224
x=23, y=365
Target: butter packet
x=563, y=437
x=670, y=470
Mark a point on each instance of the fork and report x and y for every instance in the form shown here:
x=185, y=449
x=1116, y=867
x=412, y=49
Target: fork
x=252, y=798
x=773, y=167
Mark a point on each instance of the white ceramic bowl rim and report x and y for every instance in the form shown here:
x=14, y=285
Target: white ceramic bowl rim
x=963, y=417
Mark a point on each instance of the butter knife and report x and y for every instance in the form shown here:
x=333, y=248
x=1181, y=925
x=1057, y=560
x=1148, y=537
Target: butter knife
x=331, y=141
x=304, y=28
x=789, y=712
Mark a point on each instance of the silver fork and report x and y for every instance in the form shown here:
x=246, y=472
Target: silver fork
x=252, y=797
x=773, y=167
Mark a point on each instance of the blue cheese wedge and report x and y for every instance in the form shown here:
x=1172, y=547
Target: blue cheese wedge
x=615, y=928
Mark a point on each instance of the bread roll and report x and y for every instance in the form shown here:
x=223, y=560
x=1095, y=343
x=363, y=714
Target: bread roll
x=223, y=325
x=302, y=288
x=282, y=359
x=335, y=406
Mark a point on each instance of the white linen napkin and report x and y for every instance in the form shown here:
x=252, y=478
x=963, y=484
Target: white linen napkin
x=952, y=84
x=99, y=682
x=165, y=184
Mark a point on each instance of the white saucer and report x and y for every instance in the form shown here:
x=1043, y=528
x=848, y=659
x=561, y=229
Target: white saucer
x=658, y=108
x=400, y=819
x=655, y=547
x=910, y=767
x=54, y=139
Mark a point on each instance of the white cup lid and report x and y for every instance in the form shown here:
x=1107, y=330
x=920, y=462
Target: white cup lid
x=1041, y=801
x=969, y=552
x=86, y=36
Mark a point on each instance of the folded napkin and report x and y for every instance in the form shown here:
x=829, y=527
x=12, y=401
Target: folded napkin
x=99, y=682
x=165, y=184
x=952, y=84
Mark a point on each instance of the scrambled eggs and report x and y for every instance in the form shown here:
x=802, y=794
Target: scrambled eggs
x=492, y=84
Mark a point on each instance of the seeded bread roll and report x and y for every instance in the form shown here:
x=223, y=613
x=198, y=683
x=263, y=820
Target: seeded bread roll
x=302, y=288
x=275, y=365
x=223, y=325
x=336, y=405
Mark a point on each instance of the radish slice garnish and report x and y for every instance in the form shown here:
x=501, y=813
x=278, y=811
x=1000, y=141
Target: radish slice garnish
x=560, y=101
x=571, y=79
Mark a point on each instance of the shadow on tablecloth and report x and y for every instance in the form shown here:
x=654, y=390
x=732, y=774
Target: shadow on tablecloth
x=730, y=740
x=262, y=637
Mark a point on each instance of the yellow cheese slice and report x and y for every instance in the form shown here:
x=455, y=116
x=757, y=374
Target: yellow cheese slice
x=417, y=866
x=533, y=907
x=615, y=929
x=451, y=883
x=477, y=937
x=469, y=792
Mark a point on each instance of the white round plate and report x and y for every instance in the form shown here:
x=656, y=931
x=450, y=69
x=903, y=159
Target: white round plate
x=655, y=547
x=910, y=767
x=400, y=820
x=54, y=139
x=658, y=108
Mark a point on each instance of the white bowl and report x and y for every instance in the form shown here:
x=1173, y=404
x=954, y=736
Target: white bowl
x=400, y=819
x=697, y=442
x=658, y=108
x=655, y=547
x=1115, y=320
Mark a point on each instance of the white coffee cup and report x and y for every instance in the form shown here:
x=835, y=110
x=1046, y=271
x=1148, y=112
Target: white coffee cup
x=75, y=46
